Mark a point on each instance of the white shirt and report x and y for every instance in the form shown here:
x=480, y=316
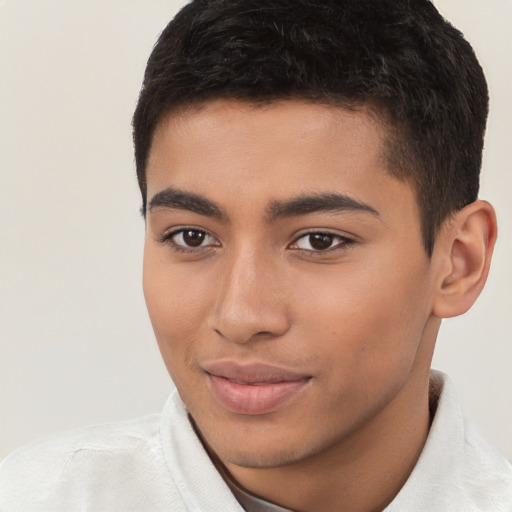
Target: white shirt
x=157, y=464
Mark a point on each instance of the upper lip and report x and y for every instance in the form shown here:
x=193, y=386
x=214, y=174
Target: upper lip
x=252, y=373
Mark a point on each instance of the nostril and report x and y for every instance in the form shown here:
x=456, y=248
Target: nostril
x=243, y=335
x=263, y=333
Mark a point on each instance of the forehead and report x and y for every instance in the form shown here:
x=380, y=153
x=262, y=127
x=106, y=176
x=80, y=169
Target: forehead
x=259, y=153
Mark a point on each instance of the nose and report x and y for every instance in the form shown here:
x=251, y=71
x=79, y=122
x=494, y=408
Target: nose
x=250, y=300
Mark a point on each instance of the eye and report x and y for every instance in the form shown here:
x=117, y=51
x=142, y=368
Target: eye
x=189, y=239
x=320, y=242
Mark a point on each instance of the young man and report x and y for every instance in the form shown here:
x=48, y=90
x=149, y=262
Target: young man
x=309, y=173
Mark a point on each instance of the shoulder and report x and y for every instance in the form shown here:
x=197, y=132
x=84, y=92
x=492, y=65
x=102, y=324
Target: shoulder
x=459, y=469
x=487, y=472
x=59, y=450
x=482, y=474
x=87, y=465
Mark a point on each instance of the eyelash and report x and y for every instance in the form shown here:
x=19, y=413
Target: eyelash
x=344, y=243
x=167, y=239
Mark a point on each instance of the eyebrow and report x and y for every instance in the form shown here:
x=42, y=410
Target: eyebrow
x=181, y=200
x=306, y=205
x=303, y=205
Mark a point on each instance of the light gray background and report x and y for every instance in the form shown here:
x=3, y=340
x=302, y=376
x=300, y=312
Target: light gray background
x=76, y=346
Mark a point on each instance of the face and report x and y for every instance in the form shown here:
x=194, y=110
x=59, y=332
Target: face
x=284, y=275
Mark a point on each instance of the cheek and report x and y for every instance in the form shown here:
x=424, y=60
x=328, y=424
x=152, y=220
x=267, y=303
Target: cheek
x=366, y=320
x=176, y=303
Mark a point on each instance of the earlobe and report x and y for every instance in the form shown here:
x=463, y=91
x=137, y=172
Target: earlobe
x=466, y=247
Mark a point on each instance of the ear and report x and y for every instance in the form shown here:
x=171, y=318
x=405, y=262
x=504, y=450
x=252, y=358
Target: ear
x=463, y=254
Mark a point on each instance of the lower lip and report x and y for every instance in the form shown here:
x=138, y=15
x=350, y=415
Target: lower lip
x=254, y=399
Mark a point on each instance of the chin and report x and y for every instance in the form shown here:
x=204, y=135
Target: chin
x=265, y=451
x=269, y=458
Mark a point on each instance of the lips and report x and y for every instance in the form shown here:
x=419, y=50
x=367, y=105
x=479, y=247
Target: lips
x=253, y=389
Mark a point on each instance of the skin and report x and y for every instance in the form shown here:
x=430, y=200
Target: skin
x=359, y=319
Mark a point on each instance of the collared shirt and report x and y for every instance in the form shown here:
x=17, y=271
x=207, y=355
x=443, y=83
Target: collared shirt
x=158, y=464
x=249, y=502
x=252, y=503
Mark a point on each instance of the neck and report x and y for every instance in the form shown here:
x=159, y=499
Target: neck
x=361, y=473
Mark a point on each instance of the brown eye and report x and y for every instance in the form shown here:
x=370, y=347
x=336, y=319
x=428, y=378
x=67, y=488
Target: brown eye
x=320, y=241
x=193, y=238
